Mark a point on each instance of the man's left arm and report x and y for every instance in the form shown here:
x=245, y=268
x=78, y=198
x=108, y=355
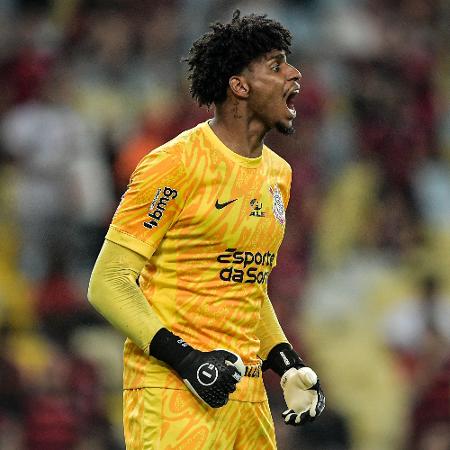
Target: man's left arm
x=301, y=387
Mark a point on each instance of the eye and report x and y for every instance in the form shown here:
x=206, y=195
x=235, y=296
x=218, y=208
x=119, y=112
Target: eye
x=275, y=68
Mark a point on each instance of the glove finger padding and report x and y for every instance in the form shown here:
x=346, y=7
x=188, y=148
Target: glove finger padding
x=292, y=418
x=233, y=360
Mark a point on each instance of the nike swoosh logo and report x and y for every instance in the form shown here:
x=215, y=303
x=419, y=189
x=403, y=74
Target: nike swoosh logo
x=222, y=205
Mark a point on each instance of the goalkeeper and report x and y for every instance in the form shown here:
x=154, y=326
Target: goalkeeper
x=184, y=266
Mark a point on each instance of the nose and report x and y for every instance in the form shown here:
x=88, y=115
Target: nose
x=294, y=73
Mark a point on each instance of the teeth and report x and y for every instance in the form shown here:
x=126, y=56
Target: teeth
x=294, y=92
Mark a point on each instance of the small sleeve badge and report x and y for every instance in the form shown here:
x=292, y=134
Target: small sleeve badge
x=278, y=205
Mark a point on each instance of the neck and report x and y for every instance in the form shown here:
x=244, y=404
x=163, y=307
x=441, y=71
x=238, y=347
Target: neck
x=238, y=131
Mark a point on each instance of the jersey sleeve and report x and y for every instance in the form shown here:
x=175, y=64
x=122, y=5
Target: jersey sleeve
x=288, y=185
x=269, y=330
x=154, y=199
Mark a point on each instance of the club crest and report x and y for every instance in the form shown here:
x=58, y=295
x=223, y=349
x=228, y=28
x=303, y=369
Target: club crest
x=278, y=205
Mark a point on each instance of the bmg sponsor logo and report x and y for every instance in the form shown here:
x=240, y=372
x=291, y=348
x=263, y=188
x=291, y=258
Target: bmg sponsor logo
x=245, y=266
x=158, y=206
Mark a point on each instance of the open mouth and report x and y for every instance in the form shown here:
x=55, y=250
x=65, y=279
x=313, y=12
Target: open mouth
x=290, y=103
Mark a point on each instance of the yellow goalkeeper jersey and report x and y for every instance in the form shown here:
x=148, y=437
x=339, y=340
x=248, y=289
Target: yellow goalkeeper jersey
x=210, y=223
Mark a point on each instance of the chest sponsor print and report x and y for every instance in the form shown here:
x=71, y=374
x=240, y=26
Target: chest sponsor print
x=245, y=266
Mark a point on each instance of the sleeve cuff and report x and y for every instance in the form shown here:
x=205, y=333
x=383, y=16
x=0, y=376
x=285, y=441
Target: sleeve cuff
x=127, y=240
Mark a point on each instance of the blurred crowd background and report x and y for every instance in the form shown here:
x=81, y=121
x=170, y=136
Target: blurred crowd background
x=362, y=285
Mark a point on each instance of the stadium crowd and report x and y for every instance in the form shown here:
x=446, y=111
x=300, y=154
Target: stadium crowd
x=363, y=278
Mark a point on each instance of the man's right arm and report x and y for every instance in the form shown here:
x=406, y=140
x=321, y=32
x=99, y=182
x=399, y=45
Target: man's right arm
x=114, y=292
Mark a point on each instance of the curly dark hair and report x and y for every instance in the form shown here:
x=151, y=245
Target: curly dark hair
x=227, y=49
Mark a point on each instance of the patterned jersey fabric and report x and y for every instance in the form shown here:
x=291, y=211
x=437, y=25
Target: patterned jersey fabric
x=210, y=223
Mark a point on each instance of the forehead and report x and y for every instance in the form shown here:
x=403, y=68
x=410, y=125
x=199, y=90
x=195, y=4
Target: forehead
x=274, y=54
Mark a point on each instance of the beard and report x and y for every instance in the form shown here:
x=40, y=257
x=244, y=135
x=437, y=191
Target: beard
x=284, y=129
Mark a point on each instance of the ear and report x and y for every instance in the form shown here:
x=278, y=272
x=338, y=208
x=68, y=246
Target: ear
x=239, y=86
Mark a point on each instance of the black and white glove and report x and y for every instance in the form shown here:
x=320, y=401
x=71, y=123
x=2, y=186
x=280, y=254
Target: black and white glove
x=210, y=376
x=301, y=387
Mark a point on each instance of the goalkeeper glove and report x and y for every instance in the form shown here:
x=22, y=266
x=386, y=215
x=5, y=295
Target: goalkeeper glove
x=301, y=387
x=210, y=376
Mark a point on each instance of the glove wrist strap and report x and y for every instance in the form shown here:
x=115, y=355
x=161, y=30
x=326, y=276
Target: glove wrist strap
x=282, y=358
x=169, y=348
